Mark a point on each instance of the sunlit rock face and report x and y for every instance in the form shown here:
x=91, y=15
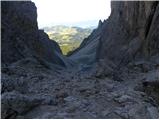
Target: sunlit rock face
x=21, y=37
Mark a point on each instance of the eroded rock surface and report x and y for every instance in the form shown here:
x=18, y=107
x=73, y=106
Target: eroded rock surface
x=60, y=93
x=114, y=73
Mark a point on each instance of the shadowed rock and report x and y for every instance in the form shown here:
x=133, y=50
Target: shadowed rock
x=21, y=37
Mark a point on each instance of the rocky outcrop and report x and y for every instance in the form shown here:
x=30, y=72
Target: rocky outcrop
x=24, y=46
x=131, y=32
x=129, y=36
x=21, y=37
x=14, y=103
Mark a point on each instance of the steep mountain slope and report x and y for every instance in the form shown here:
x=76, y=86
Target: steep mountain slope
x=127, y=40
x=21, y=37
x=130, y=32
x=87, y=52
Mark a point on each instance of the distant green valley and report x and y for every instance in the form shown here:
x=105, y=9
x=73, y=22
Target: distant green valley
x=69, y=38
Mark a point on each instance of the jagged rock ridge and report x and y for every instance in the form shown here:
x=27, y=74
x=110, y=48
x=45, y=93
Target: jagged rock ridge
x=130, y=32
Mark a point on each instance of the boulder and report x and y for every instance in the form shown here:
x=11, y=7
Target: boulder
x=13, y=103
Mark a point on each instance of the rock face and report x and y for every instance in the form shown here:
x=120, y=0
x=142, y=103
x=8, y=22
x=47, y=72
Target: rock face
x=21, y=37
x=128, y=39
x=87, y=52
x=129, y=33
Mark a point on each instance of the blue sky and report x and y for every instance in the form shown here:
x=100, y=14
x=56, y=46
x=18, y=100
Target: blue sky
x=70, y=11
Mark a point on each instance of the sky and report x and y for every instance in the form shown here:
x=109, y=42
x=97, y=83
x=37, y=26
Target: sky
x=56, y=12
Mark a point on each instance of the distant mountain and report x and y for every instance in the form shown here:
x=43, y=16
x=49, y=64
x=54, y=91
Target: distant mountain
x=86, y=24
x=69, y=38
x=82, y=24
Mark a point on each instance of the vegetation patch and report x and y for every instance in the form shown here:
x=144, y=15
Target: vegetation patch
x=69, y=38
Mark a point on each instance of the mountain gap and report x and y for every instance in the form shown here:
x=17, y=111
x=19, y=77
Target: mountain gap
x=68, y=38
x=114, y=73
x=69, y=32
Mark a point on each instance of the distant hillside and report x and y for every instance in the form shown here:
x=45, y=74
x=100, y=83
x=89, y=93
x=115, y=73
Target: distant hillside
x=69, y=38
